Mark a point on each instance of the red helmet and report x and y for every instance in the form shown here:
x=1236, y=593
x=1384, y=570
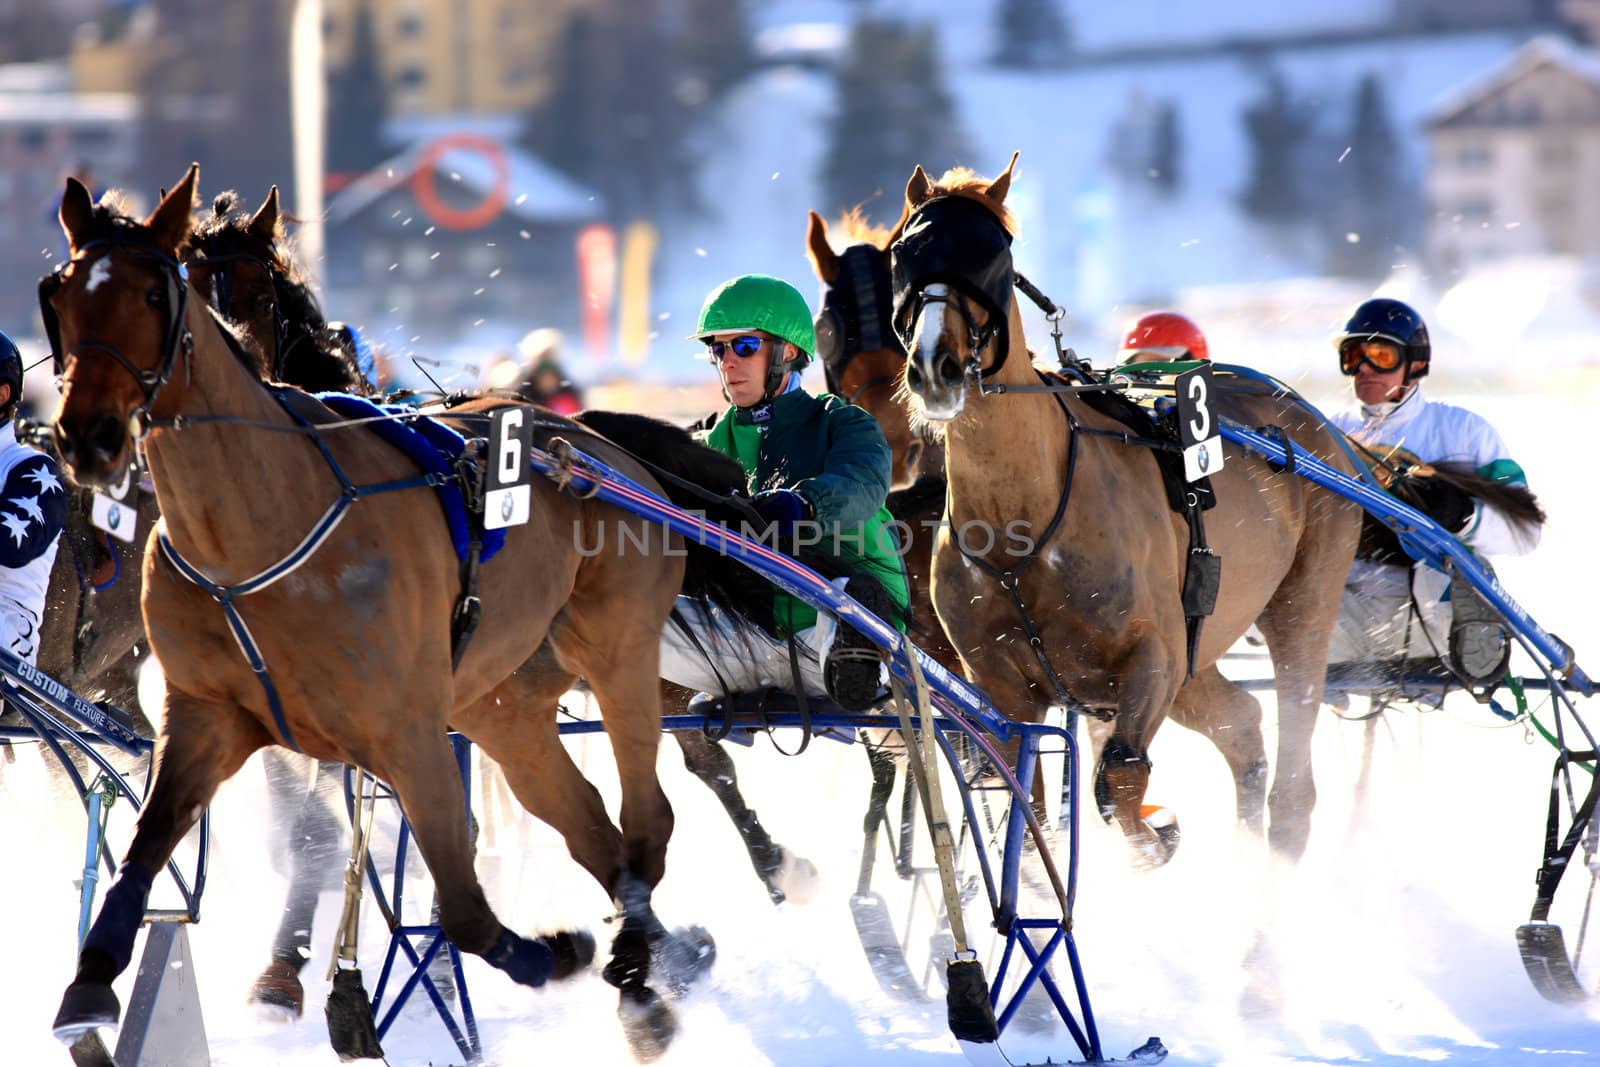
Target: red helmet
x=1163, y=335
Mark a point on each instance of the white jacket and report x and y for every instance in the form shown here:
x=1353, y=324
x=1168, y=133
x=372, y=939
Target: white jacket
x=1437, y=433
x=33, y=508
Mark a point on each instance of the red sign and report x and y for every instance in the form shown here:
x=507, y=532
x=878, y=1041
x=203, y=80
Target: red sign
x=597, y=281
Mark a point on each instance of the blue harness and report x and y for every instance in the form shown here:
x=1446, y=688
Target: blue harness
x=432, y=445
x=435, y=447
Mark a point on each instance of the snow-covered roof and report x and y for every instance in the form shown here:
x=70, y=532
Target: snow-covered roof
x=538, y=193
x=1546, y=49
x=66, y=109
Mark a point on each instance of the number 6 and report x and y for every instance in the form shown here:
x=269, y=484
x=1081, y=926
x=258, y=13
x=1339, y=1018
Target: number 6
x=511, y=447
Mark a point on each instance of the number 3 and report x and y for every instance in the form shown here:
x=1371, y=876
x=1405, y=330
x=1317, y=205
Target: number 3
x=1200, y=425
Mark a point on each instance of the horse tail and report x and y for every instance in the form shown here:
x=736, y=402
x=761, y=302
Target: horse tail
x=1514, y=500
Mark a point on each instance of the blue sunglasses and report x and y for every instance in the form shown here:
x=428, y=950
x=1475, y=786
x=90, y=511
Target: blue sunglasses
x=743, y=346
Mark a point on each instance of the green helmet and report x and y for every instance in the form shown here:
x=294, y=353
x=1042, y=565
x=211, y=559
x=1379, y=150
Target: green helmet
x=759, y=302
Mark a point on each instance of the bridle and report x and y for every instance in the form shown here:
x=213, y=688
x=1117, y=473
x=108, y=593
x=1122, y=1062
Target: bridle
x=177, y=338
x=222, y=298
x=958, y=243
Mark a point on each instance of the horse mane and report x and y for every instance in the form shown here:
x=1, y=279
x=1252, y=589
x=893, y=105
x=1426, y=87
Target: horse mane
x=859, y=229
x=963, y=182
x=110, y=221
x=225, y=231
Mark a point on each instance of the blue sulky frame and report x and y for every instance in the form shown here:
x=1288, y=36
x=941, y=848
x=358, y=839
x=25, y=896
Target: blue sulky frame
x=48, y=708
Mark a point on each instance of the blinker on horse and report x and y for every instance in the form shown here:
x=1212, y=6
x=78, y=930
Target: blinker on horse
x=1092, y=618
x=239, y=487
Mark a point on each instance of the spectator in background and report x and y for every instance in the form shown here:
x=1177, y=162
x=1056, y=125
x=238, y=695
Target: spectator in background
x=544, y=380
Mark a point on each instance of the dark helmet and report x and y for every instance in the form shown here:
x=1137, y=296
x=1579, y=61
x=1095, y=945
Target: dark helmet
x=1383, y=319
x=11, y=373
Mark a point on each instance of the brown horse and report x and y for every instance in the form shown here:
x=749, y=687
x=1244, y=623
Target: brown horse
x=243, y=263
x=1088, y=601
x=354, y=644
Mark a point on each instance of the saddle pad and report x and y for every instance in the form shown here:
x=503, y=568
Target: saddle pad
x=1145, y=423
x=434, y=447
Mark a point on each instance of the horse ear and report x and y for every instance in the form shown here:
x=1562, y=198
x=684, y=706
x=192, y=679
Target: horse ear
x=77, y=210
x=1002, y=185
x=823, y=260
x=169, y=222
x=918, y=188
x=264, y=223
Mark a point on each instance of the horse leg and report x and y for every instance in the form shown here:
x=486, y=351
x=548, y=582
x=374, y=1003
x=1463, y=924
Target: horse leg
x=1298, y=625
x=430, y=791
x=1123, y=772
x=315, y=843
x=202, y=744
x=1211, y=705
x=786, y=875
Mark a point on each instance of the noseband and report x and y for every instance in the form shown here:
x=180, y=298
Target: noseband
x=176, y=338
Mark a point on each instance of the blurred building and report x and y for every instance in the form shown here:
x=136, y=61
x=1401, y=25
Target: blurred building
x=458, y=232
x=450, y=56
x=1514, y=157
x=48, y=131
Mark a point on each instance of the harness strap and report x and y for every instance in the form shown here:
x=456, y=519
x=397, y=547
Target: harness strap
x=313, y=540
x=469, y=608
x=1556, y=857
x=1202, y=577
x=1008, y=579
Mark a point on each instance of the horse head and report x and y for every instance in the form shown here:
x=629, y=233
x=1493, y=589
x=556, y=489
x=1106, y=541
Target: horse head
x=116, y=317
x=951, y=271
x=860, y=354
x=244, y=267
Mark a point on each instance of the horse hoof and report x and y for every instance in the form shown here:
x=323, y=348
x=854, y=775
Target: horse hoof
x=681, y=958
x=574, y=951
x=1164, y=823
x=527, y=962
x=796, y=879
x=278, y=990
x=629, y=965
x=85, y=1007
x=647, y=1022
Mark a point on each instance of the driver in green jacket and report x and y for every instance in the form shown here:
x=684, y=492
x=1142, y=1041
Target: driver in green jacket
x=819, y=471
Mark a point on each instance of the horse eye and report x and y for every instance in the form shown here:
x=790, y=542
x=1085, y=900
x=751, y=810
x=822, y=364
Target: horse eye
x=154, y=297
x=265, y=304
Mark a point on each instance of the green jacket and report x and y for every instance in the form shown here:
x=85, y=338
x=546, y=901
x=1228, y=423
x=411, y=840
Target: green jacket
x=834, y=455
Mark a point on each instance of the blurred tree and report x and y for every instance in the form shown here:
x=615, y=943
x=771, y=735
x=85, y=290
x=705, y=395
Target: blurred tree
x=216, y=89
x=1031, y=34
x=1370, y=202
x=1275, y=128
x=891, y=110
x=1166, y=149
x=715, y=47
x=617, y=114
x=357, y=103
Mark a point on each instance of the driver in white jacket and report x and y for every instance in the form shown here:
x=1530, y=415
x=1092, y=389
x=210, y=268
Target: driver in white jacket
x=1393, y=610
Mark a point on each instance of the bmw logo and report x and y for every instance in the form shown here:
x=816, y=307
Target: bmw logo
x=114, y=518
x=506, y=507
x=1203, y=458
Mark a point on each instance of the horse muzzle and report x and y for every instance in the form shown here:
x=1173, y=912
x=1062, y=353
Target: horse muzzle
x=94, y=449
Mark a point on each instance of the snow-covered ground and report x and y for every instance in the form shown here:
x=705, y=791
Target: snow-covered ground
x=1396, y=930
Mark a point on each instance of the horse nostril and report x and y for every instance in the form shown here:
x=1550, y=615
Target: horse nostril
x=914, y=376
x=66, y=444
x=107, y=436
x=949, y=369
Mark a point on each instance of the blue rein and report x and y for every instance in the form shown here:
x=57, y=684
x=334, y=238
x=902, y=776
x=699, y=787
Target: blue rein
x=225, y=595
